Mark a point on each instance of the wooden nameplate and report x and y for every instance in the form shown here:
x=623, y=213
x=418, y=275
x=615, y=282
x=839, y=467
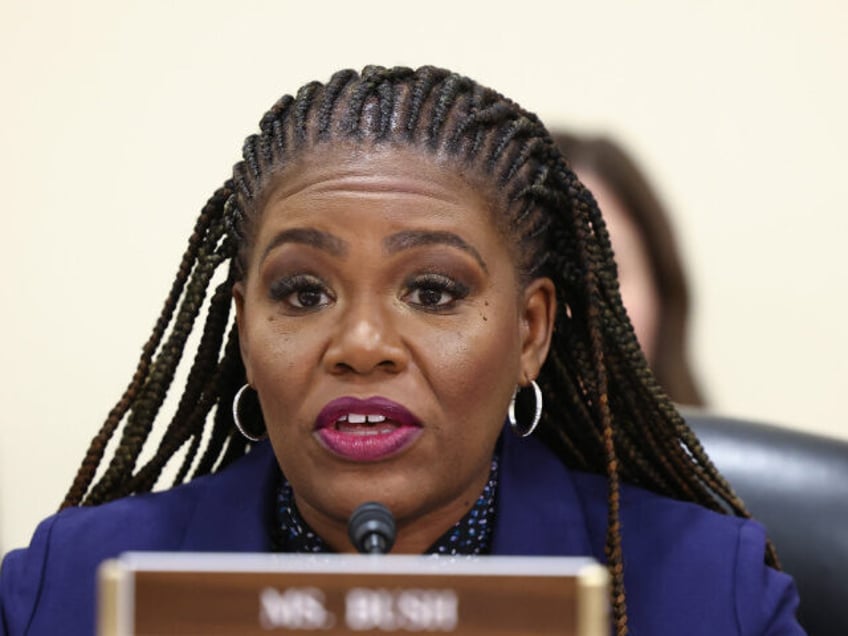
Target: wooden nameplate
x=213, y=593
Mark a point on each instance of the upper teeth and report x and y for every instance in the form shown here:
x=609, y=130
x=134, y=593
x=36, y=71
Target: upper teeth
x=359, y=418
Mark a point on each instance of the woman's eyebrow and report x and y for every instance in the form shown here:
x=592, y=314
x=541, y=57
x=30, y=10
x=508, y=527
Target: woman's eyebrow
x=416, y=238
x=311, y=237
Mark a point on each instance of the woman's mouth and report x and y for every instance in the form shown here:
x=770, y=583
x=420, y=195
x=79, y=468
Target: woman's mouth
x=366, y=430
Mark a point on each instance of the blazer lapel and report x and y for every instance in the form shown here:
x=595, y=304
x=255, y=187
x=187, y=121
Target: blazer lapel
x=234, y=512
x=539, y=511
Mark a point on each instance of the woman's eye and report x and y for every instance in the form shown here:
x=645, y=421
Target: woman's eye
x=434, y=291
x=301, y=292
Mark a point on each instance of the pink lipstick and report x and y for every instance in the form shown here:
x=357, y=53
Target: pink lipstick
x=366, y=430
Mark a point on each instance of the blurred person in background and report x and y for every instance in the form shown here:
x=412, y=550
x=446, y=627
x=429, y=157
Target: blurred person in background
x=653, y=282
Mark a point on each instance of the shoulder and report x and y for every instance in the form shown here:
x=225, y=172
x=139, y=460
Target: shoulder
x=54, y=578
x=687, y=568
x=697, y=568
x=57, y=571
x=646, y=515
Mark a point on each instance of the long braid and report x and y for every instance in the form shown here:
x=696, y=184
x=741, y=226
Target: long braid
x=604, y=413
x=94, y=455
x=590, y=260
x=162, y=371
x=197, y=398
x=230, y=378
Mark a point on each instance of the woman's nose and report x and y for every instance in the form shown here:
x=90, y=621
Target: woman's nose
x=366, y=339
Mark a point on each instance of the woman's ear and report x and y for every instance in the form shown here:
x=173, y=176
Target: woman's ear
x=537, y=326
x=238, y=298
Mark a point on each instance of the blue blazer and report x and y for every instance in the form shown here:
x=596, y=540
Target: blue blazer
x=687, y=570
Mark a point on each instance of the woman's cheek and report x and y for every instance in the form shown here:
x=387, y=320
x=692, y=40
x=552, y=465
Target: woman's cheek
x=473, y=360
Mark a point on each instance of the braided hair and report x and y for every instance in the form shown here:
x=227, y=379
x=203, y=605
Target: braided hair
x=604, y=413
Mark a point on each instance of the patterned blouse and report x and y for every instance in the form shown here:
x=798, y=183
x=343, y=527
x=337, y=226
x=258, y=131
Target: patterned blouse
x=471, y=535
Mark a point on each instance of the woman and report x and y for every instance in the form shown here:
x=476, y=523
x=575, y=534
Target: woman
x=407, y=252
x=651, y=277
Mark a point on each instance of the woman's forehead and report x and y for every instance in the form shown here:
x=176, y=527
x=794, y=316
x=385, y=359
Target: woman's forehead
x=382, y=168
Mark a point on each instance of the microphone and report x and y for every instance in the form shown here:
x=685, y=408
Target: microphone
x=371, y=528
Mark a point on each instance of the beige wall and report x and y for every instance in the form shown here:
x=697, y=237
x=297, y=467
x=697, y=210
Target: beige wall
x=118, y=119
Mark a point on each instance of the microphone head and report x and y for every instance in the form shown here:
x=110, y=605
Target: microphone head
x=371, y=528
